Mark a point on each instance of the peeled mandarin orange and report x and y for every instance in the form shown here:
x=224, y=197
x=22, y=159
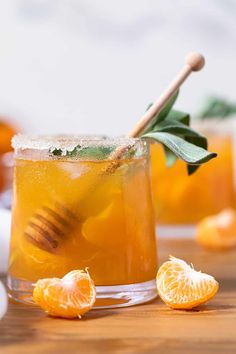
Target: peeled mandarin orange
x=218, y=231
x=68, y=297
x=182, y=287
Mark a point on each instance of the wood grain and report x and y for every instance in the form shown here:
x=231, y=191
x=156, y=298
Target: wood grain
x=151, y=328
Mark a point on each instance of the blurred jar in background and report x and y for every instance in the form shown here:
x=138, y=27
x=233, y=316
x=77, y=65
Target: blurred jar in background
x=183, y=199
x=6, y=162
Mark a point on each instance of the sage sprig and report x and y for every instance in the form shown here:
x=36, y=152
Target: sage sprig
x=171, y=128
x=217, y=107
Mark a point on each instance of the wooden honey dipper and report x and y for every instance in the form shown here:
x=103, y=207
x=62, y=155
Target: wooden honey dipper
x=51, y=224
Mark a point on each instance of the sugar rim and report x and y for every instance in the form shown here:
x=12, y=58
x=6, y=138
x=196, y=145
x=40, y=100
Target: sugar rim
x=215, y=125
x=69, y=142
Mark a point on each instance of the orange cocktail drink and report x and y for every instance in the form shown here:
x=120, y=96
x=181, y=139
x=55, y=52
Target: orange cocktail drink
x=75, y=208
x=183, y=199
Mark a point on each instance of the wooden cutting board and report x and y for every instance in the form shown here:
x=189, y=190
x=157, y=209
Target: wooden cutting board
x=151, y=328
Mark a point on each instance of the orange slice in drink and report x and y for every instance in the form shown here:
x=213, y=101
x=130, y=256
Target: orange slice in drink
x=182, y=287
x=218, y=231
x=68, y=297
x=107, y=229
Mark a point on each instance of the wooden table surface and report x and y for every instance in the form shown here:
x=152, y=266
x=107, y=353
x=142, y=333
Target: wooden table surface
x=149, y=328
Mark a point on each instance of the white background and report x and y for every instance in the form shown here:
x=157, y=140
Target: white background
x=88, y=66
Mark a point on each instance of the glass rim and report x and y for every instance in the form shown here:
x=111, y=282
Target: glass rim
x=216, y=126
x=69, y=141
x=76, y=147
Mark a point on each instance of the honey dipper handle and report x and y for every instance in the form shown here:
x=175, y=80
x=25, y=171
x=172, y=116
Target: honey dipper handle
x=193, y=62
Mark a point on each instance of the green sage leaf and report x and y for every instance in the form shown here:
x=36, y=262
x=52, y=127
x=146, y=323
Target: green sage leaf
x=162, y=114
x=176, y=127
x=186, y=151
x=199, y=141
x=171, y=128
x=180, y=116
x=165, y=111
x=192, y=169
x=170, y=156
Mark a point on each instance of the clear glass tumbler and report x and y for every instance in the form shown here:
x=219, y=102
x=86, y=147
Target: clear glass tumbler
x=77, y=207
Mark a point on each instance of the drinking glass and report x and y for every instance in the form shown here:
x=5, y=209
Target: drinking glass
x=180, y=199
x=76, y=207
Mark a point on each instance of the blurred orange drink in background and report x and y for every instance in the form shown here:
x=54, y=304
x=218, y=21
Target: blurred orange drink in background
x=183, y=199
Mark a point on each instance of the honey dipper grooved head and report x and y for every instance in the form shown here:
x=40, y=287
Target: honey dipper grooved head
x=196, y=61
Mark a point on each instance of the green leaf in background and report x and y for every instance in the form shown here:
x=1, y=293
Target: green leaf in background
x=217, y=107
x=188, y=152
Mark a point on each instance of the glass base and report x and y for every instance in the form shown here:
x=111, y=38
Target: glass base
x=107, y=296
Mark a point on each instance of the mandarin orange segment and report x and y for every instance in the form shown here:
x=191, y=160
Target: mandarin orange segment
x=218, y=231
x=68, y=297
x=182, y=287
